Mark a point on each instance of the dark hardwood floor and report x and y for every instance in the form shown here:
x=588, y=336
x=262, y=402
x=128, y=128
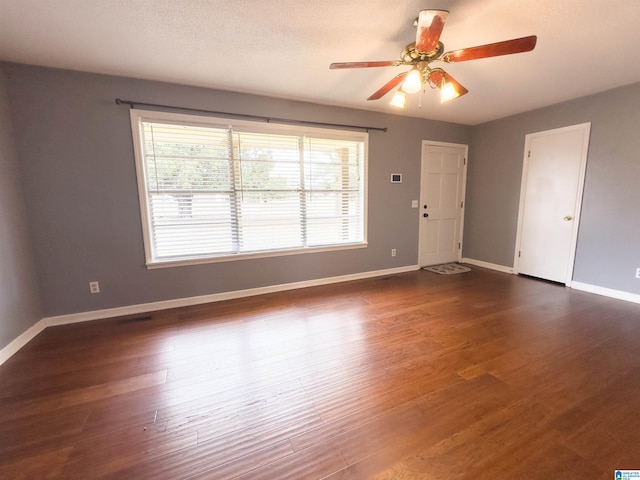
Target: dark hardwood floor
x=480, y=375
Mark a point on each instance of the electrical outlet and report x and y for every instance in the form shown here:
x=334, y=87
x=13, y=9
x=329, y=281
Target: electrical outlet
x=638, y=272
x=94, y=287
x=393, y=252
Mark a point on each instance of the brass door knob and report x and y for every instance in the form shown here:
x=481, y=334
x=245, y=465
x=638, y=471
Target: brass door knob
x=568, y=218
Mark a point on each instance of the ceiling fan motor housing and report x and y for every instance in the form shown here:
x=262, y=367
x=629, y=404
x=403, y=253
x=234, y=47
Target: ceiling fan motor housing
x=411, y=56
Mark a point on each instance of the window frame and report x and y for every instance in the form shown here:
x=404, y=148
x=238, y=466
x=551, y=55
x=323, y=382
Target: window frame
x=140, y=115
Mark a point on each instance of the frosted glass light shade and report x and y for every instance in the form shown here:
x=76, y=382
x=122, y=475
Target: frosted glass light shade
x=412, y=82
x=448, y=92
x=399, y=99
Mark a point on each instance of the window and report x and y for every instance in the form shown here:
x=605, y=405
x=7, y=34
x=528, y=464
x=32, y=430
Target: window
x=213, y=189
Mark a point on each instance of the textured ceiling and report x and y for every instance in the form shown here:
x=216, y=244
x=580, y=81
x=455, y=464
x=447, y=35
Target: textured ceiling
x=283, y=48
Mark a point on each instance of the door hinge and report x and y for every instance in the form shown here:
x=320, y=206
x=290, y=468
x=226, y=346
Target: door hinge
x=462, y=204
x=464, y=161
x=529, y=154
x=459, y=245
x=519, y=253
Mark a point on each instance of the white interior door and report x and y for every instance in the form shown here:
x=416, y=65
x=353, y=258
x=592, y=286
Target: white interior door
x=442, y=185
x=550, y=199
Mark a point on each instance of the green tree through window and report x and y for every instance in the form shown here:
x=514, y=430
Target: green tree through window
x=210, y=189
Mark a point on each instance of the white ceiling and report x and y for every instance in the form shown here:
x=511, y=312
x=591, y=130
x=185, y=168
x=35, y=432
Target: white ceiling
x=283, y=48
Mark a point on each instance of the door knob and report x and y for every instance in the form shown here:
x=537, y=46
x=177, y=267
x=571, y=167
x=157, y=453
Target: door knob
x=425, y=206
x=425, y=215
x=568, y=218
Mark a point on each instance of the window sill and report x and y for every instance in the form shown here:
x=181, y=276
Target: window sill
x=181, y=262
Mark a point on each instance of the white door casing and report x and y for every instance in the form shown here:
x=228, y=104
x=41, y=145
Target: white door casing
x=550, y=200
x=442, y=187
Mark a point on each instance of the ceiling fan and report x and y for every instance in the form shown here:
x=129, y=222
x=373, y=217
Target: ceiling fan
x=427, y=49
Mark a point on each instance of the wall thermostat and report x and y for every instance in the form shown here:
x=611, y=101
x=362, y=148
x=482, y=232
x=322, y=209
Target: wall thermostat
x=396, y=178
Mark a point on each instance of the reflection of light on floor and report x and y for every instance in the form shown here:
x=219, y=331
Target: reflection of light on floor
x=258, y=367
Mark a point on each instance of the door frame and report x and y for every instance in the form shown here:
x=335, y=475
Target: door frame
x=586, y=128
x=426, y=143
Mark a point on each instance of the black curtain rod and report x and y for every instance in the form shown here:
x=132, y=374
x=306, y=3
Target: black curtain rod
x=133, y=104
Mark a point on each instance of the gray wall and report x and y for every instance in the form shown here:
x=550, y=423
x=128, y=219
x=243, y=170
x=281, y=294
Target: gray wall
x=608, y=250
x=76, y=159
x=77, y=176
x=19, y=296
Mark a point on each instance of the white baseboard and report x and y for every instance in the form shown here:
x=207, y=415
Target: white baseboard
x=585, y=287
x=215, y=297
x=26, y=337
x=607, y=292
x=490, y=266
x=8, y=351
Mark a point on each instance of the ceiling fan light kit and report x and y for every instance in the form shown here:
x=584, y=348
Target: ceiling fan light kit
x=399, y=99
x=427, y=49
x=448, y=92
x=413, y=81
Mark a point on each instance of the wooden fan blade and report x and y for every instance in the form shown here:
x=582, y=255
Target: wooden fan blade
x=430, y=25
x=435, y=78
x=390, y=85
x=517, y=45
x=384, y=63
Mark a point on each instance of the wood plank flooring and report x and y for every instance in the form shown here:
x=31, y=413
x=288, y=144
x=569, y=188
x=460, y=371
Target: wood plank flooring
x=480, y=375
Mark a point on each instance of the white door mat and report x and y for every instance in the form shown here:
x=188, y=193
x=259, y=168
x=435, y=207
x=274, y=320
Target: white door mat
x=447, y=268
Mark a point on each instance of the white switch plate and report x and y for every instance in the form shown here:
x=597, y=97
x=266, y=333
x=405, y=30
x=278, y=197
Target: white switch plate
x=94, y=287
x=638, y=272
x=414, y=203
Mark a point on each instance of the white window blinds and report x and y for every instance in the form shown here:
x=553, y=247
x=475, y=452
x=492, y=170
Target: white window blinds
x=215, y=190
